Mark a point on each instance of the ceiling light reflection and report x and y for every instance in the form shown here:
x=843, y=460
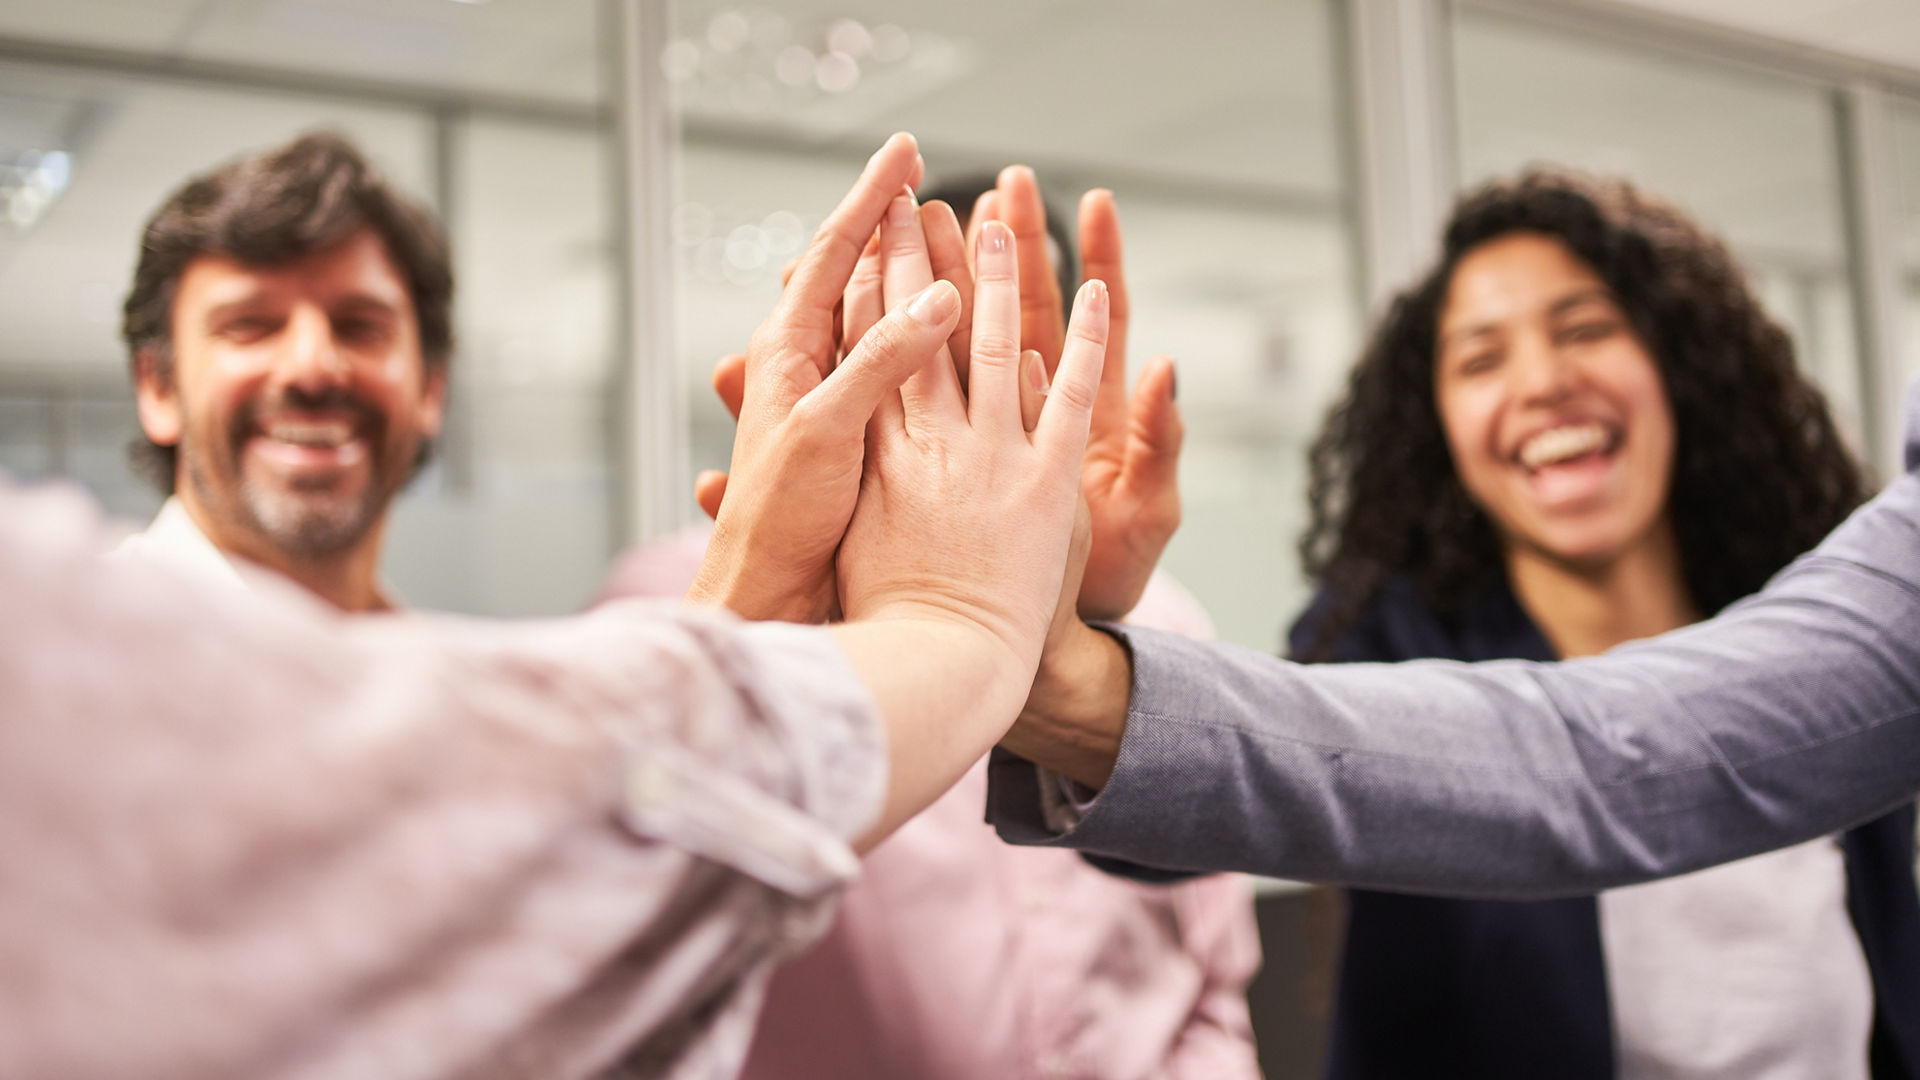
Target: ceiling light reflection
x=760, y=62
x=836, y=73
x=850, y=37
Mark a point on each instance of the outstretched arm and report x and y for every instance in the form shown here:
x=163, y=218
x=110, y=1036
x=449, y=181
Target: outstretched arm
x=1791, y=715
x=241, y=835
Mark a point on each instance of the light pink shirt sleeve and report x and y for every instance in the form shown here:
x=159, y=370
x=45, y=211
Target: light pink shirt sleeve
x=958, y=957
x=242, y=836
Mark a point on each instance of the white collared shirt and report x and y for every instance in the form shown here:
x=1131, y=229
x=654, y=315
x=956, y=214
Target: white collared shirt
x=174, y=537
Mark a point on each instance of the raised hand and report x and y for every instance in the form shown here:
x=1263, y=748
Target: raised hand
x=799, y=449
x=964, y=515
x=1131, y=473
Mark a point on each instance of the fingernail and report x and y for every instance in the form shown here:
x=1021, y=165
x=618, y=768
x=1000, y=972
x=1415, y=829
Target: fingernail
x=900, y=212
x=995, y=237
x=1094, y=295
x=935, y=303
x=1173, y=380
x=1036, y=369
x=891, y=139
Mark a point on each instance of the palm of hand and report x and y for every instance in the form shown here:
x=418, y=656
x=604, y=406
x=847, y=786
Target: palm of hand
x=1130, y=527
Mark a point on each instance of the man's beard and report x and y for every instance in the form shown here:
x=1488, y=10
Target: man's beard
x=307, y=520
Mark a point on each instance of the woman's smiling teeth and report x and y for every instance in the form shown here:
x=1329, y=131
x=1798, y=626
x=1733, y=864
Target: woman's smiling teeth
x=1565, y=443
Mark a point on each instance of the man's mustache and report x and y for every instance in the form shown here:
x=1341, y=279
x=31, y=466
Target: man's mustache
x=368, y=420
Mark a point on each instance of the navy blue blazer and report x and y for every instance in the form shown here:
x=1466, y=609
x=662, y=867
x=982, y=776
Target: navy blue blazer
x=1490, y=989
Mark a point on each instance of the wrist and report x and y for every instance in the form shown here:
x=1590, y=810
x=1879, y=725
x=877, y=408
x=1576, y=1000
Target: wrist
x=1076, y=711
x=953, y=617
x=733, y=579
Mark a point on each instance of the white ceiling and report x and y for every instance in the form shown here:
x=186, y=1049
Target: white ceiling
x=540, y=49
x=1884, y=31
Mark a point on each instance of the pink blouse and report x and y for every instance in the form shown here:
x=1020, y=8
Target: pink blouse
x=959, y=957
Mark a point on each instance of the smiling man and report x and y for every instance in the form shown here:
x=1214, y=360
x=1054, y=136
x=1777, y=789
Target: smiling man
x=289, y=329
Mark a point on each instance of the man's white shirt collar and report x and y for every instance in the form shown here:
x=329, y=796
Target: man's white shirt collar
x=174, y=538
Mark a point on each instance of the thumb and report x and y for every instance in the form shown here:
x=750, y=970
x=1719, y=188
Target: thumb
x=1154, y=430
x=730, y=381
x=708, y=489
x=890, y=351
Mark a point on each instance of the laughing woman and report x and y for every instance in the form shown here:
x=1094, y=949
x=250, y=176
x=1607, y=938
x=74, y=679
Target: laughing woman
x=1580, y=430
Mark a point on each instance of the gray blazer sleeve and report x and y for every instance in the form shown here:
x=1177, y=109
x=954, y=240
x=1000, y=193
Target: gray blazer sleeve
x=1790, y=715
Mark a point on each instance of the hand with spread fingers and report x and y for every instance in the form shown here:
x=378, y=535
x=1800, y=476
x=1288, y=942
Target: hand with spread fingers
x=964, y=513
x=945, y=250
x=1131, y=474
x=799, y=448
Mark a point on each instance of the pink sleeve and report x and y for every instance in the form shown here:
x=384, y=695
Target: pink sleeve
x=242, y=836
x=1216, y=919
x=1165, y=604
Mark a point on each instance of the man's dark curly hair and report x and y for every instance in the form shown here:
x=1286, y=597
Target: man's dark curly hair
x=269, y=209
x=1759, y=472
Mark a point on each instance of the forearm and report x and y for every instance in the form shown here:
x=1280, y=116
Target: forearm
x=272, y=839
x=945, y=692
x=1789, y=717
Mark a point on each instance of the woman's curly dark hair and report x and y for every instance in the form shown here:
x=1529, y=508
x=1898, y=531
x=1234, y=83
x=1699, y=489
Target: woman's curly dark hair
x=1759, y=474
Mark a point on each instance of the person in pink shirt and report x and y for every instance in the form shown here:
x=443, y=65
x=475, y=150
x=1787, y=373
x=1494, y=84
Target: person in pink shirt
x=244, y=834
x=958, y=957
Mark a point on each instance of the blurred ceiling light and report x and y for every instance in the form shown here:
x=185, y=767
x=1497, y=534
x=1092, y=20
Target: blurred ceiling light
x=747, y=247
x=836, y=73
x=850, y=37
x=753, y=61
x=30, y=181
x=784, y=232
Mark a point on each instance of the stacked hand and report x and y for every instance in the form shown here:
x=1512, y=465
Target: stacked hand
x=803, y=408
x=1129, y=475
x=946, y=496
x=958, y=491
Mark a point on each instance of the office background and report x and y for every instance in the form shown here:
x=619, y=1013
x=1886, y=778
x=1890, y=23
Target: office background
x=623, y=180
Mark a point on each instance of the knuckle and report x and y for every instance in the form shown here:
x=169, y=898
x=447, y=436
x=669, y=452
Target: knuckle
x=809, y=425
x=994, y=345
x=1075, y=393
x=887, y=336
